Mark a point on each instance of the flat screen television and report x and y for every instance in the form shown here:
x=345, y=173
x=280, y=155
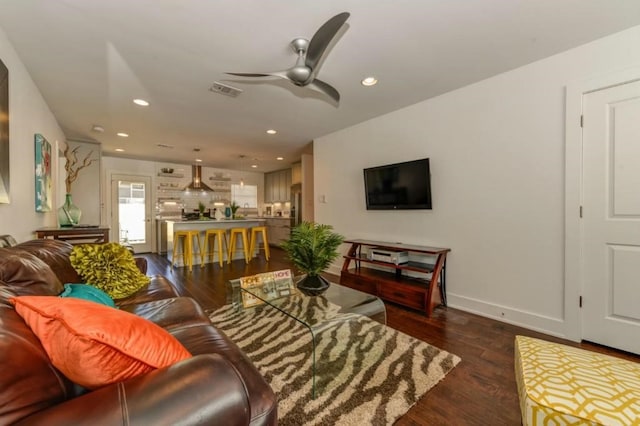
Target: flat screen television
x=400, y=186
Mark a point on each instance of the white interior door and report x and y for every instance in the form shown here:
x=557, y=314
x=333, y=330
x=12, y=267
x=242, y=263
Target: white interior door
x=131, y=211
x=611, y=217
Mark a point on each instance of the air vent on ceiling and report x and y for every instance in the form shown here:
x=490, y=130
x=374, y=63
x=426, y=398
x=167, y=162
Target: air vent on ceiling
x=164, y=145
x=225, y=89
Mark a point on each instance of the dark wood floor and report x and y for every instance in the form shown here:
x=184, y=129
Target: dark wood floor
x=481, y=390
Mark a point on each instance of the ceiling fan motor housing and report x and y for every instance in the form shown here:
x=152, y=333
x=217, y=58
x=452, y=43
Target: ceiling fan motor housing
x=300, y=44
x=300, y=74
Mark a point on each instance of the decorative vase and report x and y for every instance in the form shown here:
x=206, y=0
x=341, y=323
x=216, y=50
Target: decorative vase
x=69, y=214
x=313, y=285
x=227, y=212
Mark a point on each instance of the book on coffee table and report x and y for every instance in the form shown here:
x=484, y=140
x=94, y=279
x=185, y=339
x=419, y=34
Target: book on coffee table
x=266, y=286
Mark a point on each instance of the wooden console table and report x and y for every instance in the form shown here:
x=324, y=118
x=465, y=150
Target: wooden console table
x=387, y=281
x=76, y=235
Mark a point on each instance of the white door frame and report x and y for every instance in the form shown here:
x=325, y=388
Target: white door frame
x=573, y=192
x=114, y=211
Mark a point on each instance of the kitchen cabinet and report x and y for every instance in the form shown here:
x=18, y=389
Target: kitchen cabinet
x=278, y=230
x=296, y=173
x=268, y=183
x=287, y=185
x=277, y=186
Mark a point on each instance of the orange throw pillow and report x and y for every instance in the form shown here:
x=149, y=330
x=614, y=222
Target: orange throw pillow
x=95, y=345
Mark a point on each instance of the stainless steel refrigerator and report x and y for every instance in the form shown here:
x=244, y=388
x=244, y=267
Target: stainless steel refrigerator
x=296, y=204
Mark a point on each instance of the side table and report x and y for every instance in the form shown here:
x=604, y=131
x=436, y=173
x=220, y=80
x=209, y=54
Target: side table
x=76, y=234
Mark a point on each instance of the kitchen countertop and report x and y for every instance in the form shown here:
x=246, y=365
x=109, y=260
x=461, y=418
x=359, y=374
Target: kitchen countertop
x=248, y=219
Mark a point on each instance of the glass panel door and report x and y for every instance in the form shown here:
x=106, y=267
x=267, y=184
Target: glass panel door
x=131, y=211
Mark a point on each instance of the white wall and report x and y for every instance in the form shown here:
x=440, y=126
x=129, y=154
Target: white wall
x=86, y=189
x=497, y=162
x=28, y=114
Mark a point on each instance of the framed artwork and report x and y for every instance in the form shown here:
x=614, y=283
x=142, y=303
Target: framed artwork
x=43, y=174
x=4, y=134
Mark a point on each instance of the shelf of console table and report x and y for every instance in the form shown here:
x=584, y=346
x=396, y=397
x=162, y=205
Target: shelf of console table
x=386, y=280
x=76, y=234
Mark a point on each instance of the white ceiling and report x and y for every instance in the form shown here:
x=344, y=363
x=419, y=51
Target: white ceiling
x=90, y=58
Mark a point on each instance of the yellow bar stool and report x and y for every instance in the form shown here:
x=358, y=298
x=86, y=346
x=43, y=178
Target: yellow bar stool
x=233, y=236
x=210, y=244
x=255, y=244
x=186, y=238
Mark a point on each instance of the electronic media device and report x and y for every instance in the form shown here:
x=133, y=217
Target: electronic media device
x=400, y=186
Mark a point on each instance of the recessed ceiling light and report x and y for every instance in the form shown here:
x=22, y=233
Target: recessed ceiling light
x=97, y=128
x=369, y=81
x=119, y=150
x=255, y=166
x=141, y=102
x=123, y=135
x=279, y=158
x=272, y=131
x=198, y=160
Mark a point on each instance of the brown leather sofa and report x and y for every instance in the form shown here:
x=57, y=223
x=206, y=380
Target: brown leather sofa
x=218, y=385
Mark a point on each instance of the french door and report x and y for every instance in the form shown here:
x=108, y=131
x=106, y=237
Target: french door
x=131, y=211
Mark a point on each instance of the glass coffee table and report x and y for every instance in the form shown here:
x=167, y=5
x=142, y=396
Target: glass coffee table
x=321, y=315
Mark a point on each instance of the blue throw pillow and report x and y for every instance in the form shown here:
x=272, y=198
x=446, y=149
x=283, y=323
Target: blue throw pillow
x=87, y=292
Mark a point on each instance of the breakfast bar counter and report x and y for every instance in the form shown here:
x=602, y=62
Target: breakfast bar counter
x=202, y=226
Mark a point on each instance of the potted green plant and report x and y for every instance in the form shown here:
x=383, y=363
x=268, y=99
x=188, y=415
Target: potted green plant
x=312, y=247
x=201, y=208
x=234, y=208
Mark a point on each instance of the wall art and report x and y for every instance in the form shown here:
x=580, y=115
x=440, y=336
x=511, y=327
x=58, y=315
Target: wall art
x=4, y=134
x=43, y=174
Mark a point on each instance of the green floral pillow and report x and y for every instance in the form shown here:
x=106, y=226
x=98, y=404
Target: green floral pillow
x=109, y=267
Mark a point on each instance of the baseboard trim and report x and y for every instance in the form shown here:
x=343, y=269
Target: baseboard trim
x=540, y=323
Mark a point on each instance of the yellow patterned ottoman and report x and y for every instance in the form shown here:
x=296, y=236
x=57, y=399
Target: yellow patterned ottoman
x=562, y=385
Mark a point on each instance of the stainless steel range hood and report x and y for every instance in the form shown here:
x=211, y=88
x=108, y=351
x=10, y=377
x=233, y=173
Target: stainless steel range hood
x=196, y=181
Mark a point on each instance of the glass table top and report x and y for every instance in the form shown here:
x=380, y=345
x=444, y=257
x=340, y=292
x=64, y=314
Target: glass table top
x=321, y=315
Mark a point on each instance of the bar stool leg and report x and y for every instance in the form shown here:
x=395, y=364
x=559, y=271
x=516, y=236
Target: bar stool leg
x=232, y=248
x=210, y=245
x=197, y=237
x=245, y=247
x=176, y=241
x=256, y=245
x=186, y=253
x=235, y=233
x=267, y=254
x=222, y=238
x=207, y=248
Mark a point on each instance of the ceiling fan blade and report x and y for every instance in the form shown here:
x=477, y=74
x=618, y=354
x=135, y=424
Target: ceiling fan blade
x=325, y=88
x=280, y=74
x=323, y=37
x=246, y=74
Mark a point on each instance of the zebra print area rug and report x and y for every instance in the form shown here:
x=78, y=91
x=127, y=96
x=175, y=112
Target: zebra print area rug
x=366, y=373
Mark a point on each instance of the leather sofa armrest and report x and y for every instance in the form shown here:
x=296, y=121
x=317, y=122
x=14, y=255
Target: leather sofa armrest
x=205, y=389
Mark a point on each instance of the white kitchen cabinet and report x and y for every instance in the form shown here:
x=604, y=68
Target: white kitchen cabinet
x=277, y=186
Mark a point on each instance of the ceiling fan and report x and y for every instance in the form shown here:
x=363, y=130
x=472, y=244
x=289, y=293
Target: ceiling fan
x=303, y=73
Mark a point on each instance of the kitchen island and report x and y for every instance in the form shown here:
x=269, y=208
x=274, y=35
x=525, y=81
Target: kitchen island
x=202, y=226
